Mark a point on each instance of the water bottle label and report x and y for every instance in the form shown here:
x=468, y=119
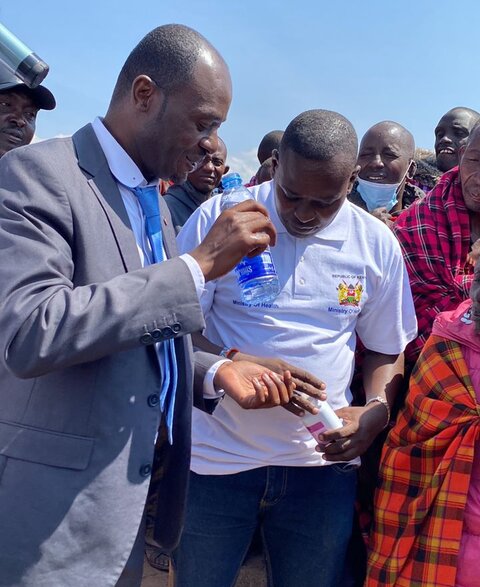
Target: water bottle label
x=259, y=266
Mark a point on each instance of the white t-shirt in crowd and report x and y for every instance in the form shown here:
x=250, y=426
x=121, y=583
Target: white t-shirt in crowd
x=348, y=277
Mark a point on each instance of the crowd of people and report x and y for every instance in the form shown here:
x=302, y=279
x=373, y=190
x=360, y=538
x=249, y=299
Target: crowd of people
x=145, y=408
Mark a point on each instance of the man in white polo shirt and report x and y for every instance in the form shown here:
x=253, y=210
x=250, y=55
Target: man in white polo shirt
x=341, y=272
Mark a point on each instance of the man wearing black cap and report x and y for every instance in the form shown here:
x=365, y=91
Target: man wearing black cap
x=19, y=105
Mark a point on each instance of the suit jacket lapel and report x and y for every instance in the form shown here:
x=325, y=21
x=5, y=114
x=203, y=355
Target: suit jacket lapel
x=92, y=160
x=168, y=232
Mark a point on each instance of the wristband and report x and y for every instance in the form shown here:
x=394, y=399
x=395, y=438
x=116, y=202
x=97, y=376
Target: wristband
x=228, y=352
x=382, y=401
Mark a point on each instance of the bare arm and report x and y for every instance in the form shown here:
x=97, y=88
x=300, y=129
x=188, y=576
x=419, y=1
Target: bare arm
x=382, y=376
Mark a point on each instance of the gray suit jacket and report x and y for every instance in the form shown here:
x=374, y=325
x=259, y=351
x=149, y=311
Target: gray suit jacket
x=79, y=378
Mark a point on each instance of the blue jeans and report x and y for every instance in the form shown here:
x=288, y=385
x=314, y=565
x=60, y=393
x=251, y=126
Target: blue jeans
x=305, y=515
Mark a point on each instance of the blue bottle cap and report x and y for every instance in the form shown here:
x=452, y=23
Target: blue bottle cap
x=231, y=180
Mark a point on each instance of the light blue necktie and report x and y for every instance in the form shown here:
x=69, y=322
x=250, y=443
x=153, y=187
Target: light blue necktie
x=148, y=198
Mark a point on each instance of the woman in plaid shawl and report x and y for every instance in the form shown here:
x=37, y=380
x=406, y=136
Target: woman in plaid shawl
x=436, y=235
x=427, y=522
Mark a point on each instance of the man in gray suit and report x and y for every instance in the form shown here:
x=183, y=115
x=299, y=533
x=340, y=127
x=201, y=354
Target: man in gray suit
x=86, y=314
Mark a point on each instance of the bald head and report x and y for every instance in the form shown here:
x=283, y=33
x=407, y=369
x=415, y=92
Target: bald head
x=451, y=132
x=386, y=153
x=463, y=110
x=168, y=55
x=388, y=131
x=222, y=148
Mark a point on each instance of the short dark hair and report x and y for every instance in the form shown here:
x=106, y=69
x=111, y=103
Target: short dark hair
x=320, y=135
x=269, y=142
x=167, y=54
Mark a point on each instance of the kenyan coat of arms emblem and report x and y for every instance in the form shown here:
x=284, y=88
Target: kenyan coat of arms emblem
x=349, y=294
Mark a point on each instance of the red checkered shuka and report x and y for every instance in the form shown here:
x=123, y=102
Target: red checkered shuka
x=425, y=475
x=434, y=234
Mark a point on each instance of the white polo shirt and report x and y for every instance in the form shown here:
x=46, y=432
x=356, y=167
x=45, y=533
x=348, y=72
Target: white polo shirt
x=348, y=277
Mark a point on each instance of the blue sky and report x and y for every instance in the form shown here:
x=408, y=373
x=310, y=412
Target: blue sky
x=408, y=61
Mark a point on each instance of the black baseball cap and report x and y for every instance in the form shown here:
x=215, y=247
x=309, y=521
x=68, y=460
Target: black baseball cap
x=42, y=97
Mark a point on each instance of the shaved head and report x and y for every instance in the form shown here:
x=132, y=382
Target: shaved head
x=321, y=135
x=451, y=133
x=388, y=130
x=269, y=142
x=387, y=152
x=463, y=110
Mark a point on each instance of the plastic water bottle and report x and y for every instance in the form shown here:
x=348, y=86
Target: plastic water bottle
x=325, y=419
x=257, y=277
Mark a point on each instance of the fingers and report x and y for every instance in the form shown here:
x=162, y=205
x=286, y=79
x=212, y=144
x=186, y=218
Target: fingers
x=337, y=447
x=261, y=231
x=234, y=235
x=339, y=434
x=304, y=381
x=310, y=385
x=306, y=377
x=255, y=218
x=299, y=405
x=270, y=391
x=289, y=383
x=277, y=392
x=250, y=206
x=260, y=392
x=344, y=450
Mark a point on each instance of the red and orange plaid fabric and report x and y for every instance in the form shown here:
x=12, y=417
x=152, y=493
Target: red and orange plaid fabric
x=434, y=234
x=425, y=474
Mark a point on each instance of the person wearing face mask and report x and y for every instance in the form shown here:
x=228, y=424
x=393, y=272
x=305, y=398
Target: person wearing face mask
x=386, y=160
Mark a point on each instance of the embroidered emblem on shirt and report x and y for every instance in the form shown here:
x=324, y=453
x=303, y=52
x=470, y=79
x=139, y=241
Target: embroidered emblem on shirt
x=349, y=294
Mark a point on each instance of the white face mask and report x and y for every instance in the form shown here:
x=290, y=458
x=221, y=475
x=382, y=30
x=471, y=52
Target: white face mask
x=378, y=195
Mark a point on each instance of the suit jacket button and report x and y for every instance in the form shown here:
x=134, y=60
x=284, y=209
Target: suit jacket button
x=153, y=400
x=146, y=338
x=167, y=332
x=145, y=470
x=176, y=327
x=156, y=333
